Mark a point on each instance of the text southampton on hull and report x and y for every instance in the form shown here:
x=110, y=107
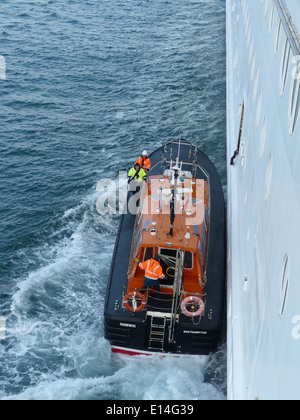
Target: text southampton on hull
x=180, y=217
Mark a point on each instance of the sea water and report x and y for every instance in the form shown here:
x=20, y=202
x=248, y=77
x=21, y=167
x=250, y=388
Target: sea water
x=85, y=87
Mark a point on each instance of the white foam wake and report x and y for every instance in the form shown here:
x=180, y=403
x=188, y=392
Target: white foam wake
x=55, y=346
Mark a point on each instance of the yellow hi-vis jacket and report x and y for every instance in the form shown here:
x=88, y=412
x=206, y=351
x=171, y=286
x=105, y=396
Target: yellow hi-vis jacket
x=140, y=175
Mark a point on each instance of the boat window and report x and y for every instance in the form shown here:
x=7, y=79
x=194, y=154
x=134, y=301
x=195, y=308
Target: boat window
x=137, y=237
x=168, y=252
x=148, y=253
x=188, y=260
x=203, y=254
x=204, y=237
x=205, y=217
x=136, y=244
x=204, y=233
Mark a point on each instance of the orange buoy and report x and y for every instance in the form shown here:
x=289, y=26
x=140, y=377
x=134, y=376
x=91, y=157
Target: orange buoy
x=133, y=296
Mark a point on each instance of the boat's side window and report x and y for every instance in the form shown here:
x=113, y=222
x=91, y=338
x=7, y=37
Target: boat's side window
x=204, y=238
x=200, y=262
x=137, y=243
x=205, y=217
x=148, y=253
x=171, y=255
x=205, y=225
x=188, y=261
x=137, y=238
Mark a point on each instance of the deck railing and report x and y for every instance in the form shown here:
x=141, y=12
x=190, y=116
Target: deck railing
x=162, y=302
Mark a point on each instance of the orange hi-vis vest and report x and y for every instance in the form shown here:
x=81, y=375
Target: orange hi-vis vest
x=153, y=269
x=144, y=162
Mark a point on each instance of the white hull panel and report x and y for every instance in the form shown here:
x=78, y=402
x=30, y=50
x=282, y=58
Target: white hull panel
x=263, y=206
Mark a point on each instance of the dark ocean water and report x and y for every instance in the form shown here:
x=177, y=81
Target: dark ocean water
x=89, y=85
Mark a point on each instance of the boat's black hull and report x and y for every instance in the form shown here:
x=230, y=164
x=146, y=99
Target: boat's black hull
x=127, y=331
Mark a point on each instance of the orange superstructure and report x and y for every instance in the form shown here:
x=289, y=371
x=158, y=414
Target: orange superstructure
x=190, y=229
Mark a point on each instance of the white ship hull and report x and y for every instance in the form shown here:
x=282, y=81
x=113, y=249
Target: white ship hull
x=263, y=200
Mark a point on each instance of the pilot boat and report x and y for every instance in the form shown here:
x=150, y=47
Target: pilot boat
x=178, y=213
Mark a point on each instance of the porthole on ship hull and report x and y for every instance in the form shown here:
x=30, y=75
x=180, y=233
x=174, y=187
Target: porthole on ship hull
x=284, y=286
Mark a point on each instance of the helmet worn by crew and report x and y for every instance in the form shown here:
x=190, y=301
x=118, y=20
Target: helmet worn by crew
x=144, y=161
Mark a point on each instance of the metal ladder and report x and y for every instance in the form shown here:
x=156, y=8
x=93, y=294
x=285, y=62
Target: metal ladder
x=157, y=333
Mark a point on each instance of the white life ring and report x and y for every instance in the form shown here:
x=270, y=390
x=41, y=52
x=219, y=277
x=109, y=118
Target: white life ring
x=187, y=305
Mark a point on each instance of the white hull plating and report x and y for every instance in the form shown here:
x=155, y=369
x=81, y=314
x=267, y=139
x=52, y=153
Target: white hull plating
x=263, y=201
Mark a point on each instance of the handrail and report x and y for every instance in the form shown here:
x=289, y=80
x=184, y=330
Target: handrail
x=176, y=292
x=289, y=26
x=167, y=299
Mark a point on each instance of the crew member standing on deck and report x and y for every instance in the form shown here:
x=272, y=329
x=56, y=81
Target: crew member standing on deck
x=144, y=161
x=153, y=273
x=137, y=173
